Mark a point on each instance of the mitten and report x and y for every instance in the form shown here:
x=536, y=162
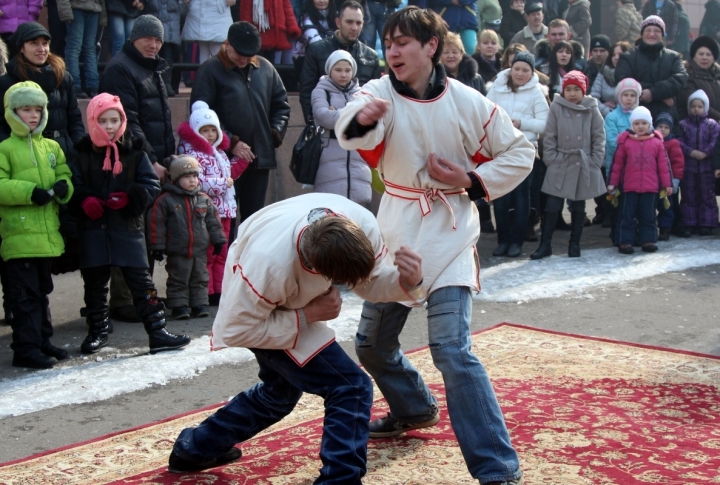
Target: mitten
x=157, y=255
x=60, y=189
x=40, y=196
x=664, y=199
x=93, y=207
x=117, y=200
x=217, y=248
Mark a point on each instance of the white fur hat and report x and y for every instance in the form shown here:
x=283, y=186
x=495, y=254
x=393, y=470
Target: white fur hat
x=201, y=116
x=699, y=94
x=641, y=113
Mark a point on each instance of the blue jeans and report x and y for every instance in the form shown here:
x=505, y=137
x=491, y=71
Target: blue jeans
x=641, y=206
x=332, y=375
x=80, y=44
x=513, y=232
x=120, y=28
x=376, y=15
x=473, y=408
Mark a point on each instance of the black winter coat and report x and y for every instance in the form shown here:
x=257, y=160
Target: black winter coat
x=512, y=23
x=658, y=69
x=250, y=102
x=710, y=24
x=118, y=237
x=487, y=70
x=468, y=74
x=65, y=124
x=368, y=66
x=138, y=81
x=122, y=7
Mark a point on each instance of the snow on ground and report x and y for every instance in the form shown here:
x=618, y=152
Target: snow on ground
x=520, y=280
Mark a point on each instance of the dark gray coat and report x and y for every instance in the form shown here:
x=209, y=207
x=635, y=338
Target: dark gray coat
x=168, y=11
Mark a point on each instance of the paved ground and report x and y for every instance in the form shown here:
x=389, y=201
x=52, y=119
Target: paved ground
x=676, y=309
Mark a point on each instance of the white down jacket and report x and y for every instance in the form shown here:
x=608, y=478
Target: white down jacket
x=207, y=21
x=528, y=104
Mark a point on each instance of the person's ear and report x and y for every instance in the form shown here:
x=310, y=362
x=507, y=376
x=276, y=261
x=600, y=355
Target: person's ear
x=337, y=22
x=433, y=45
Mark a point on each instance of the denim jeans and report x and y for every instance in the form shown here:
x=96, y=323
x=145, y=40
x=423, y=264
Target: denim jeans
x=473, y=408
x=376, y=15
x=513, y=231
x=120, y=28
x=80, y=44
x=332, y=375
x=641, y=206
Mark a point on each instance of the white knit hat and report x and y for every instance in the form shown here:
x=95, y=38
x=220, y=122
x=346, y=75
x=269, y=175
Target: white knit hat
x=700, y=94
x=201, y=116
x=337, y=56
x=641, y=113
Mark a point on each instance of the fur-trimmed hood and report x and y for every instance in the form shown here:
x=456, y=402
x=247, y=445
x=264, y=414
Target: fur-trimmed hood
x=467, y=69
x=199, y=143
x=543, y=50
x=26, y=93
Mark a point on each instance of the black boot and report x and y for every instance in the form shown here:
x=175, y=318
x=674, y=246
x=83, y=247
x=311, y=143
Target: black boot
x=34, y=360
x=49, y=349
x=549, y=220
x=97, y=337
x=561, y=225
x=577, y=222
x=160, y=338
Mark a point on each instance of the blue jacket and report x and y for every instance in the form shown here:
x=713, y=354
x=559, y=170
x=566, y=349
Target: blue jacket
x=458, y=17
x=615, y=123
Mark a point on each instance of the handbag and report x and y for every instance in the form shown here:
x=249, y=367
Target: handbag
x=306, y=155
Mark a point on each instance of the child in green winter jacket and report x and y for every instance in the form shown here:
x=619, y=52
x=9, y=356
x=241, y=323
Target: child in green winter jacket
x=34, y=179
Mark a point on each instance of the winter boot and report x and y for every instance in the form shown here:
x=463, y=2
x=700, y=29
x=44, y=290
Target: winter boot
x=577, y=223
x=549, y=222
x=561, y=225
x=160, y=338
x=664, y=234
x=97, y=336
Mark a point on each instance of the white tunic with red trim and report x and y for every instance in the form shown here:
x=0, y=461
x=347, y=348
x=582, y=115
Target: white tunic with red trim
x=435, y=219
x=265, y=282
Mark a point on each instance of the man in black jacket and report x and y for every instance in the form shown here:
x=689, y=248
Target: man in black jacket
x=349, y=23
x=250, y=100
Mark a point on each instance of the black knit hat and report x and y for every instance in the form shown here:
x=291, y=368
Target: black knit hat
x=244, y=38
x=28, y=31
x=524, y=56
x=705, y=41
x=146, y=26
x=600, y=41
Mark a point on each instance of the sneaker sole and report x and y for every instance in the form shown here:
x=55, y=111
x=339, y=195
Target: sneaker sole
x=202, y=315
x=184, y=316
x=219, y=462
x=165, y=349
x=395, y=432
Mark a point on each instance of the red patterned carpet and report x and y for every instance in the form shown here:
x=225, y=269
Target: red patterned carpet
x=580, y=411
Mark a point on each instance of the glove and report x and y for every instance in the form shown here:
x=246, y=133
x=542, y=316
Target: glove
x=157, y=255
x=117, y=200
x=93, y=207
x=60, y=189
x=217, y=248
x=40, y=196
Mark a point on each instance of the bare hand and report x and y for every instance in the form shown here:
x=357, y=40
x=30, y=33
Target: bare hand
x=242, y=150
x=447, y=172
x=516, y=124
x=160, y=171
x=610, y=104
x=717, y=174
x=324, y=307
x=668, y=191
x=698, y=155
x=229, y=3
x=669, y=101
x=646, y=96
x=1, y=13
x=610, y=189
x=409, y=264
x=372, y=112
x=230, y=182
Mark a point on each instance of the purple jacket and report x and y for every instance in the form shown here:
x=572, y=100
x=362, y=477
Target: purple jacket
x=698, y=133
x=16, y=12
x=640, y=164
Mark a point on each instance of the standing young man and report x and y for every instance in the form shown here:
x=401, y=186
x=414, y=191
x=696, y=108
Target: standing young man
x=439, y=145
x=277, y=296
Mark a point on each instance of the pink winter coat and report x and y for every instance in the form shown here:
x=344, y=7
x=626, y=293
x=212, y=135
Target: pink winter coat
x=641, y=163
x=215, y=166
x=16, y=12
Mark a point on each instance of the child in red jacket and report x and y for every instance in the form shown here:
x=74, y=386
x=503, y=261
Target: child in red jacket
x=669, y=218
x=640, y=170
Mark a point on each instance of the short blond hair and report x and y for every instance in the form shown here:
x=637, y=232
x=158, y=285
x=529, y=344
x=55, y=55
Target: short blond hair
x=488, y=34
x=454, y=40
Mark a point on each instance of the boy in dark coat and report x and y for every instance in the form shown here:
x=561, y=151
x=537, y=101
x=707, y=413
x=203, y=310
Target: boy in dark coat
x=190, y=217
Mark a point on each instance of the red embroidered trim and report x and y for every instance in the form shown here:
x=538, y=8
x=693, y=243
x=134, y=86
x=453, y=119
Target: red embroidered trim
x=237, y=266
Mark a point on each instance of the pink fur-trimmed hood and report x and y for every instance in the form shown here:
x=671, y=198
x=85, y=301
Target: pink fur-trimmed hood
x=198, y=142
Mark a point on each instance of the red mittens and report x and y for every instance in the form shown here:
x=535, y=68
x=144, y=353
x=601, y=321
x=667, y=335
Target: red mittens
x=117, y=200
x=93, y=207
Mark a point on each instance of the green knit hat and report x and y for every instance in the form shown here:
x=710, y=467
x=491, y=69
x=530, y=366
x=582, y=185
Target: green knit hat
x=26, y=93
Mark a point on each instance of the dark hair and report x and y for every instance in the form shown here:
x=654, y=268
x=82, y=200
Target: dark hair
x=420, y=24
x=554, y=66
x=348, y=4
x=316, y=17
x=511, y=49
x=56, y=63
x=339, y=250
x=624, y=45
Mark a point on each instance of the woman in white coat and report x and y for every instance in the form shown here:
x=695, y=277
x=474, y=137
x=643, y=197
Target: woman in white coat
x=207, y=23
x=518, y=91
